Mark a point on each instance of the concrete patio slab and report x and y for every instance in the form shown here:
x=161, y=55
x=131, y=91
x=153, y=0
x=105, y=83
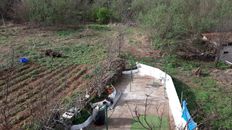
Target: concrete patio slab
x=135, y=89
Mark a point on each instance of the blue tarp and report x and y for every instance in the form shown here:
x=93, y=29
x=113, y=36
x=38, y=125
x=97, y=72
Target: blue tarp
x=191, y=125
x=23, y=60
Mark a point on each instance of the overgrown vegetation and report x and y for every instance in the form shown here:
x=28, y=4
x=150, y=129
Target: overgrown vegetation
x=176, y=19
x=61, y=11
x=204, y=95
x=166, y=21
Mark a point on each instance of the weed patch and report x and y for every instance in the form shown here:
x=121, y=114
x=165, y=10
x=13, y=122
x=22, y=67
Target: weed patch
x=98, y=27
x=64, y=33
x=161, y=124
x=3, y=39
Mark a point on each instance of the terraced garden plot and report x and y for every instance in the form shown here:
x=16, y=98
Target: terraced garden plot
x=24, y=91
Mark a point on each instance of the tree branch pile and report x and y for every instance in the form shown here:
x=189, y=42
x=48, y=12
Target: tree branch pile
x=196, y=50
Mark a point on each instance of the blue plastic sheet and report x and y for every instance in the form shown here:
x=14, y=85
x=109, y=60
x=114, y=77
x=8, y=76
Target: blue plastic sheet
x=23, y=60
x=191, y=125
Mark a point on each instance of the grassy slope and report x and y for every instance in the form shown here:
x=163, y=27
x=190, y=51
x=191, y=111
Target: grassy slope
x=204, y=94
x=81, y=45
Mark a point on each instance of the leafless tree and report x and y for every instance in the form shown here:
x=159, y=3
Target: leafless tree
x=3, y=21
x=142, y=118
x=120, y=40
x=114, y=45
x=97, y=79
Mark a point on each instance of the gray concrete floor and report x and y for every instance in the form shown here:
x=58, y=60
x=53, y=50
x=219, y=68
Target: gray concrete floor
x=133, y=95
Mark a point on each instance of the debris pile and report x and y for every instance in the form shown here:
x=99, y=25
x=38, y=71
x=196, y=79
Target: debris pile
x=52, y=53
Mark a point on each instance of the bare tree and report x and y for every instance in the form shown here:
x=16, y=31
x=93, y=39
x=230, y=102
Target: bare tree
x=120, y=40
x=97, y=79
x=142, y=118
x=3, y=21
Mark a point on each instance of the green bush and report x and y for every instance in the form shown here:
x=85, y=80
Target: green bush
x=103, y=15
x=5, y=9
x=3, y=6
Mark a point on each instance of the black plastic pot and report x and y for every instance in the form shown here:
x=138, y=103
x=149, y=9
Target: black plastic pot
x=100, y=117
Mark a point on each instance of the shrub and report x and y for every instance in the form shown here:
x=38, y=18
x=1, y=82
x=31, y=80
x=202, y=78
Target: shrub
x=62, y=11
x=121, y=10
x=48, y=12
x=103, y=15
x=5, y=9
x=3, y=6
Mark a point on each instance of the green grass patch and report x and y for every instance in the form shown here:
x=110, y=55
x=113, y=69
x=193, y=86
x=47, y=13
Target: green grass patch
x=156, y=122
x=98, y=27
x=72, y=54
x=201, y=92
x=3, y=39
x=67, y=32
x=222, y=66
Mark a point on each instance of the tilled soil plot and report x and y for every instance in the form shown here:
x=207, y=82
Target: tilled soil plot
x=27, y=90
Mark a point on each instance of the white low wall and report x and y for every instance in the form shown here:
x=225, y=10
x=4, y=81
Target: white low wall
x=174, y=102
x=87, y=122
x=115, y=96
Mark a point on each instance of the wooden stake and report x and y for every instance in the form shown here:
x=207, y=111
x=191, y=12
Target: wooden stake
x=3, y=21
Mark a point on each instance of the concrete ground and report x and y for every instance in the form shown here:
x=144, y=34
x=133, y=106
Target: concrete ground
x=134, y=94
